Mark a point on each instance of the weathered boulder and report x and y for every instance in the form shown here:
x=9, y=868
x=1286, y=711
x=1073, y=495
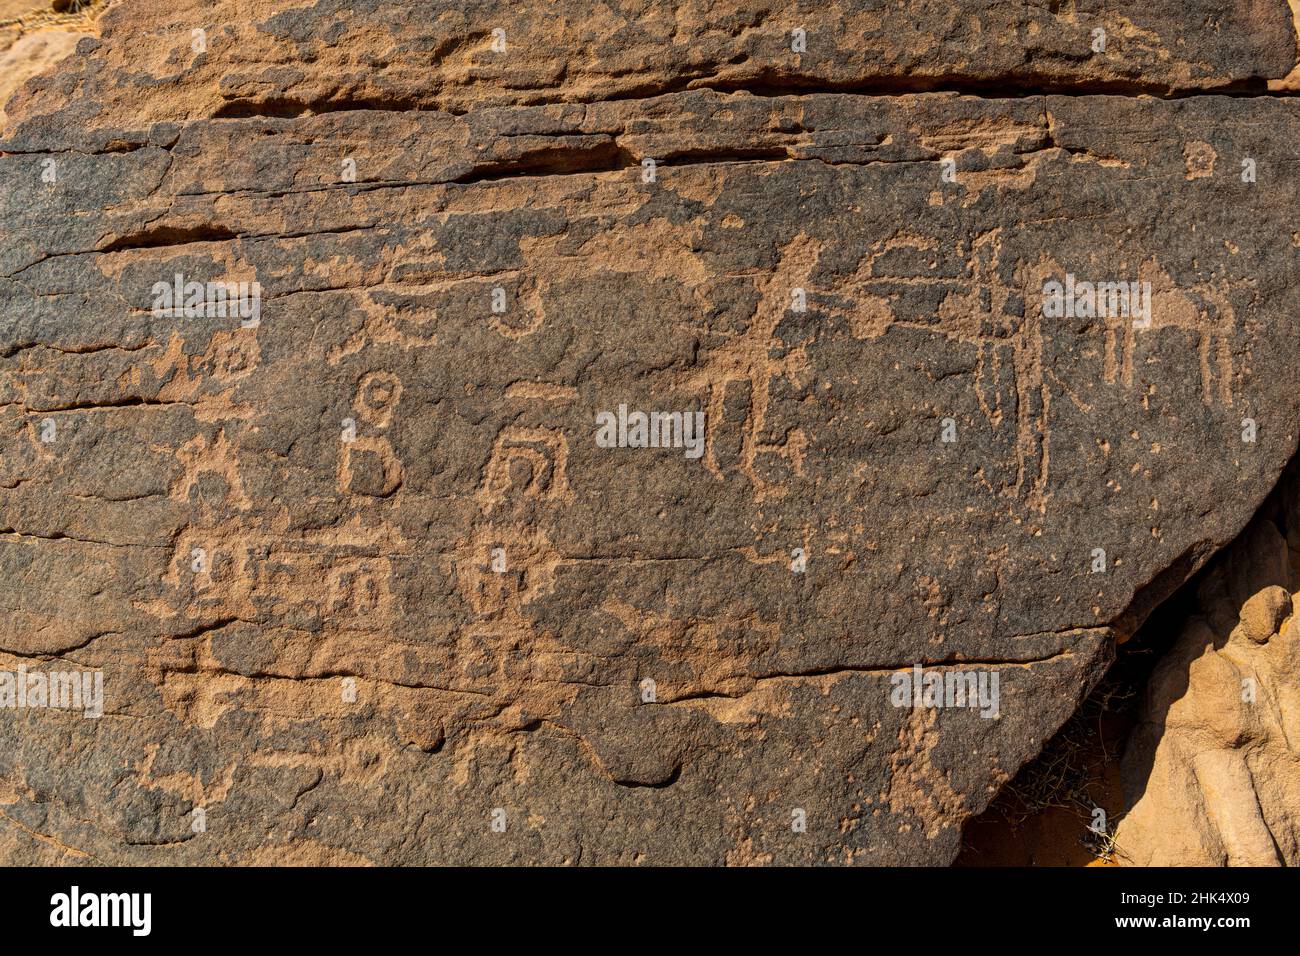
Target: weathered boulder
x=278, y=59
x=31, y=55
x=1212, y=771
x=362, y=576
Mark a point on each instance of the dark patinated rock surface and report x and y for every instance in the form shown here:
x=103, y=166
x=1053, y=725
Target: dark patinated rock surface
x=362, y=582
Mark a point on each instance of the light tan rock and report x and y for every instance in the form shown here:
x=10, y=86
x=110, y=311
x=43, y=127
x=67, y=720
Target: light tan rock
x=1292, y=80
x=1212, y=772
x=32, y=55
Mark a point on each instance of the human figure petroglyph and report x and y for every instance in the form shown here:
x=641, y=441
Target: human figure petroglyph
x=368, y=465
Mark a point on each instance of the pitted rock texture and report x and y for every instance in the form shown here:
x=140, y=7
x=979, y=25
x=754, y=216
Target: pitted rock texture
x=359, y=577
x=1212, y=772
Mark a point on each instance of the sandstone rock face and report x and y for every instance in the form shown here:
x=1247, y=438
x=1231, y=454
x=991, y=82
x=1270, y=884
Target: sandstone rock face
x=362, y=577
x=34, y=38
x=32, y=55
x=1213, y=770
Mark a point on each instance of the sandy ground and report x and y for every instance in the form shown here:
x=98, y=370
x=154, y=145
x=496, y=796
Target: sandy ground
x=1053, y=835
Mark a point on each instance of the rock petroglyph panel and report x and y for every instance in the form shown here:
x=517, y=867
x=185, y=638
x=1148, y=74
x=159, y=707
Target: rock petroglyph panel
x=391, y=530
